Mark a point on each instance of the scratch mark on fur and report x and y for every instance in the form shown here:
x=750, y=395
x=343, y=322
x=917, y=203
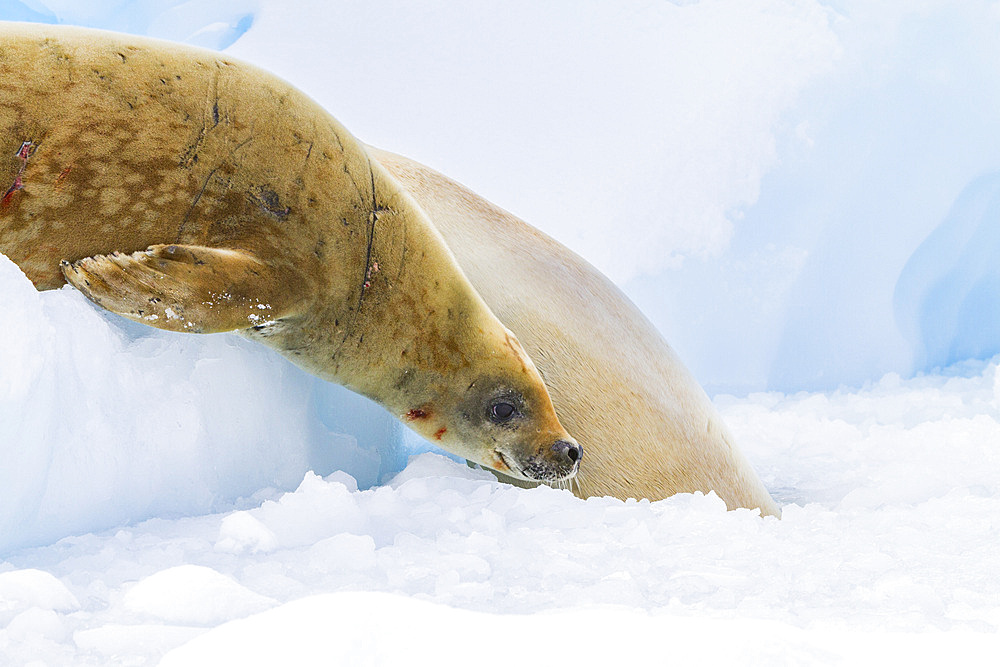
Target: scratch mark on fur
x=240, y=145
x=62, y=176
x=187, y=216
x=371, y=238
x=213, y=94
x=373, y=218
x=340, y=144
x=402, y=256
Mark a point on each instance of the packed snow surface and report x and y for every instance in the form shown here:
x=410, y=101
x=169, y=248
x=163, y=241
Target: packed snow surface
x=800, y=194
x=887, y=545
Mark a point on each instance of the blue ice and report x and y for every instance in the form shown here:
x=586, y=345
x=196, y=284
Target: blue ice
x=947, y=298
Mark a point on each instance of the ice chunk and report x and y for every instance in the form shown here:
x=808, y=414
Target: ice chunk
x=33, y=589
x=947, y=298
x=193, y=595
x=241, y=531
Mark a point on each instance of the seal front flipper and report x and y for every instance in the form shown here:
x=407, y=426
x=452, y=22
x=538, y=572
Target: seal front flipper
x=188, y=288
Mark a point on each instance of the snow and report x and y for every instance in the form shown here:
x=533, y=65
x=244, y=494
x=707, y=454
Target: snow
x=801, y=195
x=103, y=421
x=34, y=589
x=192, y=595
x=887, y=546
x=350, y=629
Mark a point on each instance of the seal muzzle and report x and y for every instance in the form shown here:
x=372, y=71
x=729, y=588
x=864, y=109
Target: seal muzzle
x=560, y=463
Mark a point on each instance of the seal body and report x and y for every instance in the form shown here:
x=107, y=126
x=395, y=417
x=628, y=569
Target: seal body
x=192, y=192
x=650, y=429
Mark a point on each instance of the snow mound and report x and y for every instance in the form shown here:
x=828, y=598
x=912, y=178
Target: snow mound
x=381, y=629
x=104, y=422
x=192, y=595
x=33, y=589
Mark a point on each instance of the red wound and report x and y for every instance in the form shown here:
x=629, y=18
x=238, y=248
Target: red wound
x=23, y=153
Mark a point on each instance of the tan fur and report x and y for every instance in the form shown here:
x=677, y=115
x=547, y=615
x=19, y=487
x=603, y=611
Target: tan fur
x=196, y=193
x=650, y=430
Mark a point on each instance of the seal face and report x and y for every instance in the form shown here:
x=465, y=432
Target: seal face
x=650, y=429
x=194, y=193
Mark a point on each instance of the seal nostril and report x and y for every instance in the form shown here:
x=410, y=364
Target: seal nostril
x=570, y=450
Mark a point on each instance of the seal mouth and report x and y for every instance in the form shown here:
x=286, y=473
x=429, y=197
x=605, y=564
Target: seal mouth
x=537, y=469
x=508, y=464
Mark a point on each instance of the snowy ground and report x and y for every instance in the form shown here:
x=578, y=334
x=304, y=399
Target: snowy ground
x=887, y=546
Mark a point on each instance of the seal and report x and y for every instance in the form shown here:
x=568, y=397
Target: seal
x=194, y=193
x=651, y=431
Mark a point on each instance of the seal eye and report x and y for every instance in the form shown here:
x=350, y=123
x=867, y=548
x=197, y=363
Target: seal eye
x=501, y=412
